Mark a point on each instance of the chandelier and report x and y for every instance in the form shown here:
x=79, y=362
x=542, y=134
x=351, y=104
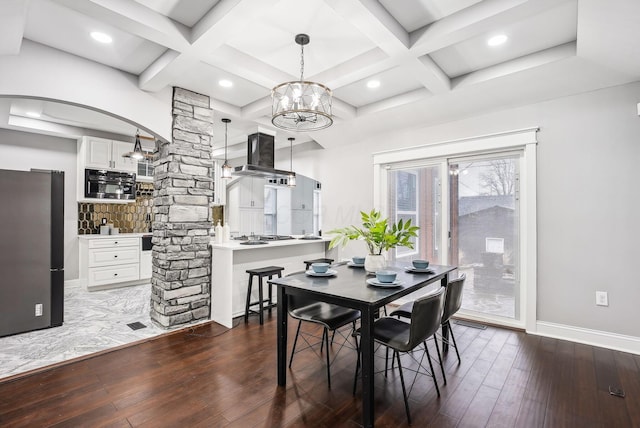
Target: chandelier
x=301, y=105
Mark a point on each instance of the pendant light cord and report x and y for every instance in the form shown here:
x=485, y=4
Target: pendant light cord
x=225, y=142
x=301, y=62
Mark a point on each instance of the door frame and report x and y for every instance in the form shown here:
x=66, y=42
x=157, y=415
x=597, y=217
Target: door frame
x=523, y=140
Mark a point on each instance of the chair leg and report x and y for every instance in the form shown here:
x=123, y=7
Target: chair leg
x=435, y=340
x=433, y=374
x=404, y=391
x=453, y=339
x=355, y=376
x=324, y=331
x=326, y=338
x=386, y=361
x=246, y=308
x=295, y=341
x=270, y=294
x=260, y=297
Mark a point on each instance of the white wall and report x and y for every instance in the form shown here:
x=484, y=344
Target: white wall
x=24, y=151
x=588, y=201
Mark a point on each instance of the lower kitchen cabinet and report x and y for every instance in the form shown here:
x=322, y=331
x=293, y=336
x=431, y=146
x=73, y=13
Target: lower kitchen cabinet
x=113, y=261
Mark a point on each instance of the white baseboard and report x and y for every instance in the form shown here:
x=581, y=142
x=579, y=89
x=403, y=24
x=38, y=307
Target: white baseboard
x=618, y=342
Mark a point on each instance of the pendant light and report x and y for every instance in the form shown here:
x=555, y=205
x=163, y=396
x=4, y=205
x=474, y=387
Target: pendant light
x=226, y=168
x=301, y=105
x=291, y=181
x=137, y=152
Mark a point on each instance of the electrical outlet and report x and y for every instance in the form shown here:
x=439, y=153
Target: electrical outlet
x=38, y=309
x=602, y=298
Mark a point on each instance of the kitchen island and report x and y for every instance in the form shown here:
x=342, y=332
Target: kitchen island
x=230, y=261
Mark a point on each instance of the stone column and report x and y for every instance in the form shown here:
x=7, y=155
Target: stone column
x=183, y=192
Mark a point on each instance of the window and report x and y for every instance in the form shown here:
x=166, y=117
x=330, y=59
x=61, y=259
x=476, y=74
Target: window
x=414, y=194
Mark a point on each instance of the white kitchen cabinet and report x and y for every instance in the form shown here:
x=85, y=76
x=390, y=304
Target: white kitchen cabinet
x=302, y=194
x=251, y=221
x=251, y=192
x=111, y=261
x=145, y=265
x=100, y=153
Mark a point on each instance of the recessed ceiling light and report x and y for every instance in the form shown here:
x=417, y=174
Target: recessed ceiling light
x=101, y=37
x=225, y=83
x=497, y=40
x=32, y=114
x=372, y=84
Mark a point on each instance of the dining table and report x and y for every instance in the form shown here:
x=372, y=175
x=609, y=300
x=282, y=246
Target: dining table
x=350, y=286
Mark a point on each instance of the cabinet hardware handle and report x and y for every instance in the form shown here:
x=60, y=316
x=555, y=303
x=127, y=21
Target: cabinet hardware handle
x=115, y=274
x=116, y=256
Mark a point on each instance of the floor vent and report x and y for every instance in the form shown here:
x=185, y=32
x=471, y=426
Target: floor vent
x=470, y=324
x=136, y=325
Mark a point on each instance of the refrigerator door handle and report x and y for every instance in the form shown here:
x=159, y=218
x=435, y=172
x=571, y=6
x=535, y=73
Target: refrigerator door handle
x=57, y=269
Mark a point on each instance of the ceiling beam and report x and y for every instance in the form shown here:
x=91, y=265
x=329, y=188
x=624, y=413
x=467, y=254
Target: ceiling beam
x=476, y=19
x=13, y=14
x=373, y=20
x=247, y=67
x=134, y=18
x=211, y=32
x=392, y=102
x=538, y=59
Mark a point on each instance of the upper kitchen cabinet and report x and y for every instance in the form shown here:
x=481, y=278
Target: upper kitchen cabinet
x=251, y=192
x=100, y=153
x=302, y=193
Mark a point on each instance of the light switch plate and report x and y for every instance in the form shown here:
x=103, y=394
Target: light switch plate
x=602, y=298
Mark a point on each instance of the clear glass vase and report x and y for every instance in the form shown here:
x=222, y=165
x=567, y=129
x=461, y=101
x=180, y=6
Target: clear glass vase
x=374, y=262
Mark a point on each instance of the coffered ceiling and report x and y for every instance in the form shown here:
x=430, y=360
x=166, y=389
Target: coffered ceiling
x=430, y=57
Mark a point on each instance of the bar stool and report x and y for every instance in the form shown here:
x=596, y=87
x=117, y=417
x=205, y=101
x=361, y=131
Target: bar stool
x=268, y=272
x=308, y=263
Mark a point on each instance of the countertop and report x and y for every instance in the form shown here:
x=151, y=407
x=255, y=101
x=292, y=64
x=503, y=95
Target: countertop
x=235, y=245
x=119, y=235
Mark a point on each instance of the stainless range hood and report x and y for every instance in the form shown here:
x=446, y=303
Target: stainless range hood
x=260, y=159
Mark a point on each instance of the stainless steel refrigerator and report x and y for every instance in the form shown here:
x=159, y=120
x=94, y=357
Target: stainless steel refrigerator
x=31, y=250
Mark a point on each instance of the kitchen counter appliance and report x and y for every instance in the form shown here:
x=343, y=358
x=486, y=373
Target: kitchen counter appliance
x=103, y=184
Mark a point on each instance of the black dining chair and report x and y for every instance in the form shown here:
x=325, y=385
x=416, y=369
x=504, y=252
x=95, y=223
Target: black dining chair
x=330, y=317
x=404, y=337
x=452, y=303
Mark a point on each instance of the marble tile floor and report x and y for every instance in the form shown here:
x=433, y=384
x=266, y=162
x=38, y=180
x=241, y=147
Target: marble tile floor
x=93, y=321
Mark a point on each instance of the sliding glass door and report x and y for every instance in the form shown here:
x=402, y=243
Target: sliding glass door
x=475, y=226
x=484, y=227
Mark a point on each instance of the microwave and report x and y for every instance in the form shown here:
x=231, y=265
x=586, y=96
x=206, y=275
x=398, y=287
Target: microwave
x=103, y=184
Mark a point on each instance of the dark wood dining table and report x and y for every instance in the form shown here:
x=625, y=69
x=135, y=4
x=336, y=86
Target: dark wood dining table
x=349, y=288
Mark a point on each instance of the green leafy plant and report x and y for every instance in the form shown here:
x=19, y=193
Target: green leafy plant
x=378, y=234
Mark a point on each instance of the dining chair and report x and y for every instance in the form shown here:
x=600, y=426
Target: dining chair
x=331, y=317
x=452, y=303
x=404, y=337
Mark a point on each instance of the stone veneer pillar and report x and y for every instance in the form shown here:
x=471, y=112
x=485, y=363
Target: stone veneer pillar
x=183, y=192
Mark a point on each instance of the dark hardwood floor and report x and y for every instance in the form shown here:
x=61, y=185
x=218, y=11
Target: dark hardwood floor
x=212, y=377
